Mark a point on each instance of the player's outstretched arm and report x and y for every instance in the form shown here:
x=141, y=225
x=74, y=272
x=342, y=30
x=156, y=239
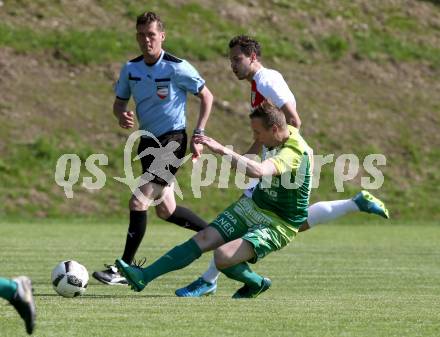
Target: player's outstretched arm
x=252, y=168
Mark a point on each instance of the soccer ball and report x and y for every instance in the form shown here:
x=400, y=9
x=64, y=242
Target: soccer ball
x=70, y=279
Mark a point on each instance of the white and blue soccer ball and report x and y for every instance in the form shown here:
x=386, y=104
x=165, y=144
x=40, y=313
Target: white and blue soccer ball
x=70, y=278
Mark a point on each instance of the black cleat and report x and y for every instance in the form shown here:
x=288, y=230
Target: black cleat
x=248, y=292
x=110, y=276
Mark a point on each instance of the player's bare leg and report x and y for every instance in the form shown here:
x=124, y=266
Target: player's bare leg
x=233, y=253
x=168, y=203
x=231, y=260
x=177, y=258
x=319, y=213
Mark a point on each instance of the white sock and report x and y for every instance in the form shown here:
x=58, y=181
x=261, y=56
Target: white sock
x=325, y=211
x=212, y=274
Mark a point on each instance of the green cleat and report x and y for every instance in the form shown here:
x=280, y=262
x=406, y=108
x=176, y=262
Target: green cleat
x=132, y=273
x=248, y=292
x=366, y=202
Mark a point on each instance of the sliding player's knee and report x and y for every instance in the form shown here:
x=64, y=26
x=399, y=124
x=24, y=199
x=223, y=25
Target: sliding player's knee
x=208, y=239
x=221, y=258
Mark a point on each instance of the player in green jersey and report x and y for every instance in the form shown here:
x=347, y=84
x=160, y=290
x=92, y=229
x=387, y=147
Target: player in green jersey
x=250, y=228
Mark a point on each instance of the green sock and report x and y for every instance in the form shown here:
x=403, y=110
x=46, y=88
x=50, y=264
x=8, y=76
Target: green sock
x=243, y=273
x=7, y=288
x=177, y=258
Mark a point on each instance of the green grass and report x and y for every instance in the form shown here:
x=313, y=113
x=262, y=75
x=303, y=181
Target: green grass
x=361, y=75
x=199, y=31
x=376, y=45
x=73, y=46
x=379, y=279
x=334, y=46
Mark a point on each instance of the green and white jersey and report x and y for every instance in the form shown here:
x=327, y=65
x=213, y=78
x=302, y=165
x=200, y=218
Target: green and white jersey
x=287, y=193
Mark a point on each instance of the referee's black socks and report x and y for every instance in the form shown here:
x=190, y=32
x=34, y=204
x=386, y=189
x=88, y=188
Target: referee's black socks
x=184, y=217
x=135, y=234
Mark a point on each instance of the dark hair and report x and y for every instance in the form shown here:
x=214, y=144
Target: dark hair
x=269, y=114
x=148, y=18
x=247, y=45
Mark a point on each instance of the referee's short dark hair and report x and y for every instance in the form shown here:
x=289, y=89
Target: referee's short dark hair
x=148, y=18
x=247, y=45
x=269, y=114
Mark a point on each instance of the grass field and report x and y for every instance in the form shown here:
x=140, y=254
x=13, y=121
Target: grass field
x=363, y=279
x=355, y=68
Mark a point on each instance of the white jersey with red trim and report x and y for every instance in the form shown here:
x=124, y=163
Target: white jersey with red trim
x=270, y=84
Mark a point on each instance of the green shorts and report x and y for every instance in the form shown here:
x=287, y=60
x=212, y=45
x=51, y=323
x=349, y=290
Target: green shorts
x=264, y=230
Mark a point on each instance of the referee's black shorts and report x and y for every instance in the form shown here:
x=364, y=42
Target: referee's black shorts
x=178, y=136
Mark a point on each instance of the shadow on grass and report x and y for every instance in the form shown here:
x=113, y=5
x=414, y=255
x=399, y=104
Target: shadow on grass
x=107, y=296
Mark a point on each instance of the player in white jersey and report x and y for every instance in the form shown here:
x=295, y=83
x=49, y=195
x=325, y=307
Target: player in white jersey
x=269, y=84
